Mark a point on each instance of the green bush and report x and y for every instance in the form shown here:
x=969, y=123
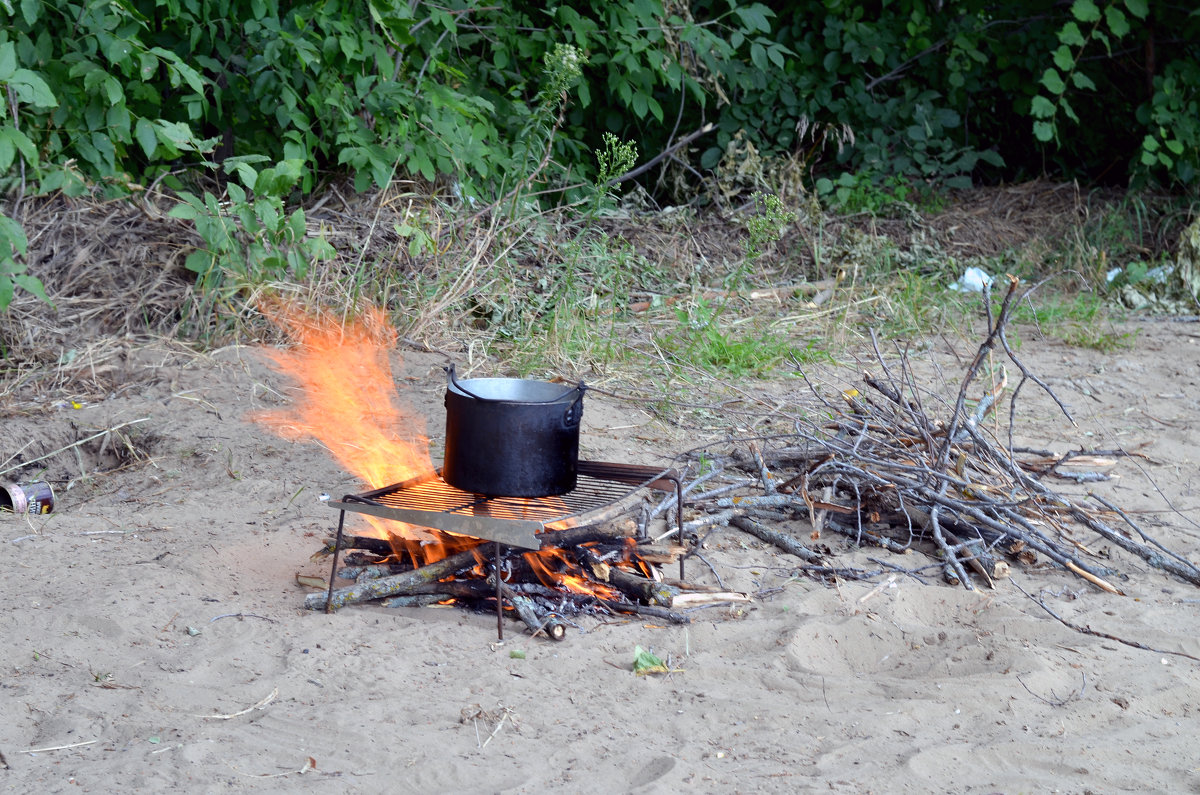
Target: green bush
x=870, y=99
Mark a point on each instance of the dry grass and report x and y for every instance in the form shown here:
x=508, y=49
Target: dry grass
x=551, y=287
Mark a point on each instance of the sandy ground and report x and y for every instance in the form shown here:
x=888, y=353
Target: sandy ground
x=123, y=652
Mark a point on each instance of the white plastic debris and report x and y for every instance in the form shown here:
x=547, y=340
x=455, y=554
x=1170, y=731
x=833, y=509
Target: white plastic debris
x=973, y=280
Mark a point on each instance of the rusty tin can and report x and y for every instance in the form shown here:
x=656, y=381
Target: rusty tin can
x=35, y=497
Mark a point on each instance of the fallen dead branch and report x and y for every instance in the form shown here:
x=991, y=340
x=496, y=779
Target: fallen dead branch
x=781, y=540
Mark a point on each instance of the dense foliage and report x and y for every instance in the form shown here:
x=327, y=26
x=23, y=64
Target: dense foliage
x=502, y=94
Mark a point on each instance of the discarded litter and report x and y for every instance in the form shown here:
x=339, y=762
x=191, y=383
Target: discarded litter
x=35, y=497
x=973, y=280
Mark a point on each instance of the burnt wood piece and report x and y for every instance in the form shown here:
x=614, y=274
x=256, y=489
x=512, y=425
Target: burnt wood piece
x=380, y=546
x=584, y=534
x=631, y=585
x=538, y=621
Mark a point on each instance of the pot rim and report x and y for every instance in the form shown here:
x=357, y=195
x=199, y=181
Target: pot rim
x=509, y=390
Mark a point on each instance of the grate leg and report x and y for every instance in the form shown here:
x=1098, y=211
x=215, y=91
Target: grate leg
x=499, y=596
x=679, y=520
x=337, y=548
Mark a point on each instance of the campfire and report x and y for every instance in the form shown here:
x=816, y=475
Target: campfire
x=543, y=549
x=877, y=467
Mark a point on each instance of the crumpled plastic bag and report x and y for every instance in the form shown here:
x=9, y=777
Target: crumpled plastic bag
x=973, y=280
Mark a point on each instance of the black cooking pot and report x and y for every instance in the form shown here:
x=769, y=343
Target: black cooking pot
x=511, y=437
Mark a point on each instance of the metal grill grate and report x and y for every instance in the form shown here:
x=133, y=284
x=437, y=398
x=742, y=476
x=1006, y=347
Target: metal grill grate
x=429, y=501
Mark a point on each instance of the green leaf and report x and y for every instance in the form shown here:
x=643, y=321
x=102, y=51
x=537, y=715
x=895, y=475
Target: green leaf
x=32, y=89
x=179, y=135
x=146, y=136
x=754, y=17
x=1041, y=107
x=1066, y=108
x=1071, y=36
x=1085, y=11
x=1082, y=81
x=1118, y=23
x=148, y=65
x=13, y=235
x=297, y=226
x=1138, y=8
x=8, y=61
x=758, y=56
x=246, y=174
x=7, y=149
x=1175, y=146
x=30, y=10
x=640, y=106
x=646, y=663
x=178, y=68
x=1053, y=81
x=118, y=50
x=1043, y=131
x=183, y=211
x=1063, y=58
x=199, y=262
x=32, y=285
x=655, y=108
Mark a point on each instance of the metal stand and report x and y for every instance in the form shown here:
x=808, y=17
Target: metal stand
x=468, y=514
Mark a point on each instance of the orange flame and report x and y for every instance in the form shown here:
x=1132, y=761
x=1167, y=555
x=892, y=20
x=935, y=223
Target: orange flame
x=348, y=403
x=554, y=569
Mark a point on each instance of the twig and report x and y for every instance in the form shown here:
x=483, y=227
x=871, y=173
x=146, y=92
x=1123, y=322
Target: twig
x=259, y=705
x=763, y=473
x=1057, y=702
x=1096, y=633
x=495, y=731
x=239, y=615
x=664, y=154
x=309, y=764
x=58, y=747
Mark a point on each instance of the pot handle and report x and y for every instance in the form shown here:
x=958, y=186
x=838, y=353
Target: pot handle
x=574, y=413
x=581, y=389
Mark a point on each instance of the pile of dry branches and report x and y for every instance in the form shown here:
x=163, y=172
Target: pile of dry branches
x=883, y=469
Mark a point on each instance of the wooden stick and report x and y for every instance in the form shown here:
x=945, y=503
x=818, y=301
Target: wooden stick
x=390, y=586
x=697, y=598
x=782, y=540
x=632, y=585
x=645, y=610
x=547, y=625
